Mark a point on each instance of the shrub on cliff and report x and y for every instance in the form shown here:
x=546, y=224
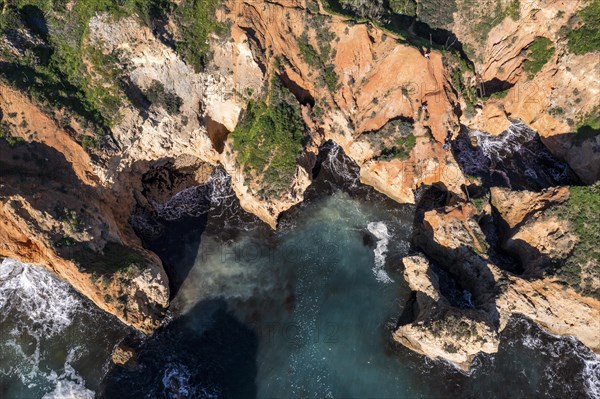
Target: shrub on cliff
x=582, y=268
x=538, y=54
x=158, y=95
x=586, y=38
x=269, y=138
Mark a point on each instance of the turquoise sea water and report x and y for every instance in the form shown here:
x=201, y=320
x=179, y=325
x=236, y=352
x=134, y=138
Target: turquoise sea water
x=306, y=311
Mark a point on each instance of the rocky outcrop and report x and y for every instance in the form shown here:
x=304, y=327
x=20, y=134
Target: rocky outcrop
x=388, y=107
x=438, y=330
x=54, y=212
x=452, y=238
x=552, y=101
x=536, y=238
x=378, y=81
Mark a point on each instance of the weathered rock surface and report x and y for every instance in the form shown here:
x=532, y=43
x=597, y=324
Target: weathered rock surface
x=53, y=212
x=538, y=239
x=54, y=218
x=379, y=81
x=451, y=236
x=123, y=355
x=564, y=91
x=438, y=330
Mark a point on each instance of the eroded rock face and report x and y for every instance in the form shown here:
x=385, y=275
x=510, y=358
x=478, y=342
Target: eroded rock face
x=451, y=236
x=53, y=212
x=538, y=239
x=378, y=82
x=438, y=330
x=551, y=101
x=123, y=355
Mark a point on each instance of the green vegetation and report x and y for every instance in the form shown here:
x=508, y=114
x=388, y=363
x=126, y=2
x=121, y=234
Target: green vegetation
x=437, y=13
x=404, y=7
x=482, y=246
x=480, y=203
x=514, y=10
x=458, y=68
x=586, y=38
x=53, y=68
x=196, y=20
x=589, y=126
x=538, y=54
x=401, y=149
x=320, y=60
x=455, y=326
x=71, y=218
x=60, y=67
x=158, y=95
x=6, y=136
x=89, y=142
x=450, y=347
x=308, y=53
x=486, y=19
x=270, y=137
x=498, y=94
x=582, y=211
x=116, y=258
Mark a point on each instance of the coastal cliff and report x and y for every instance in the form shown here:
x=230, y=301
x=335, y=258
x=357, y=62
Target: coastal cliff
x=256, y=88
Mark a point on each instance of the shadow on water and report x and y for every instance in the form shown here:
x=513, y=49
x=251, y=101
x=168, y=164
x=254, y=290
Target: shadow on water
x=186, y=236
x=205, y=353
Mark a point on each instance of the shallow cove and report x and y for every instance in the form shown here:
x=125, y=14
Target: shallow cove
x=298, y=313
x=303, y=313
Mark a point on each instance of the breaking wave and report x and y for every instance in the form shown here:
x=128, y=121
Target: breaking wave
x=517, y=158
x=568, y=354
x=36, y=307
x=380, y=231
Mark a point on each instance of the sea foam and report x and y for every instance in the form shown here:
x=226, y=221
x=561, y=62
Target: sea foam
x=380, y=231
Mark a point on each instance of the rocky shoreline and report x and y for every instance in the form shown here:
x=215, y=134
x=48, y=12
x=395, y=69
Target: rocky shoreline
x=74, y=208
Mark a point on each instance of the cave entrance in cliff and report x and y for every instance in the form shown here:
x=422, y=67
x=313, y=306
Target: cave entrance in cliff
x=217, y=133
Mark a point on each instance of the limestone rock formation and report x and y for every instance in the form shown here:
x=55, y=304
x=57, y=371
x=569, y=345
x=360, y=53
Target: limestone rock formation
x=451, y=236
x=438, y=330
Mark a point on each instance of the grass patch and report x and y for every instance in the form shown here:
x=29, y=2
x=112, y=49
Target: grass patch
x=270, y=138
x=586, y=38
x=582, y=211
x=538, y=54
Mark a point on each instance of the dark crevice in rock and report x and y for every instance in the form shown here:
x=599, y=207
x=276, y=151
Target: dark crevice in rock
x=302, y=95
x=258, y=52
x=495, y=85
x=410, y=311
x=217, y=133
